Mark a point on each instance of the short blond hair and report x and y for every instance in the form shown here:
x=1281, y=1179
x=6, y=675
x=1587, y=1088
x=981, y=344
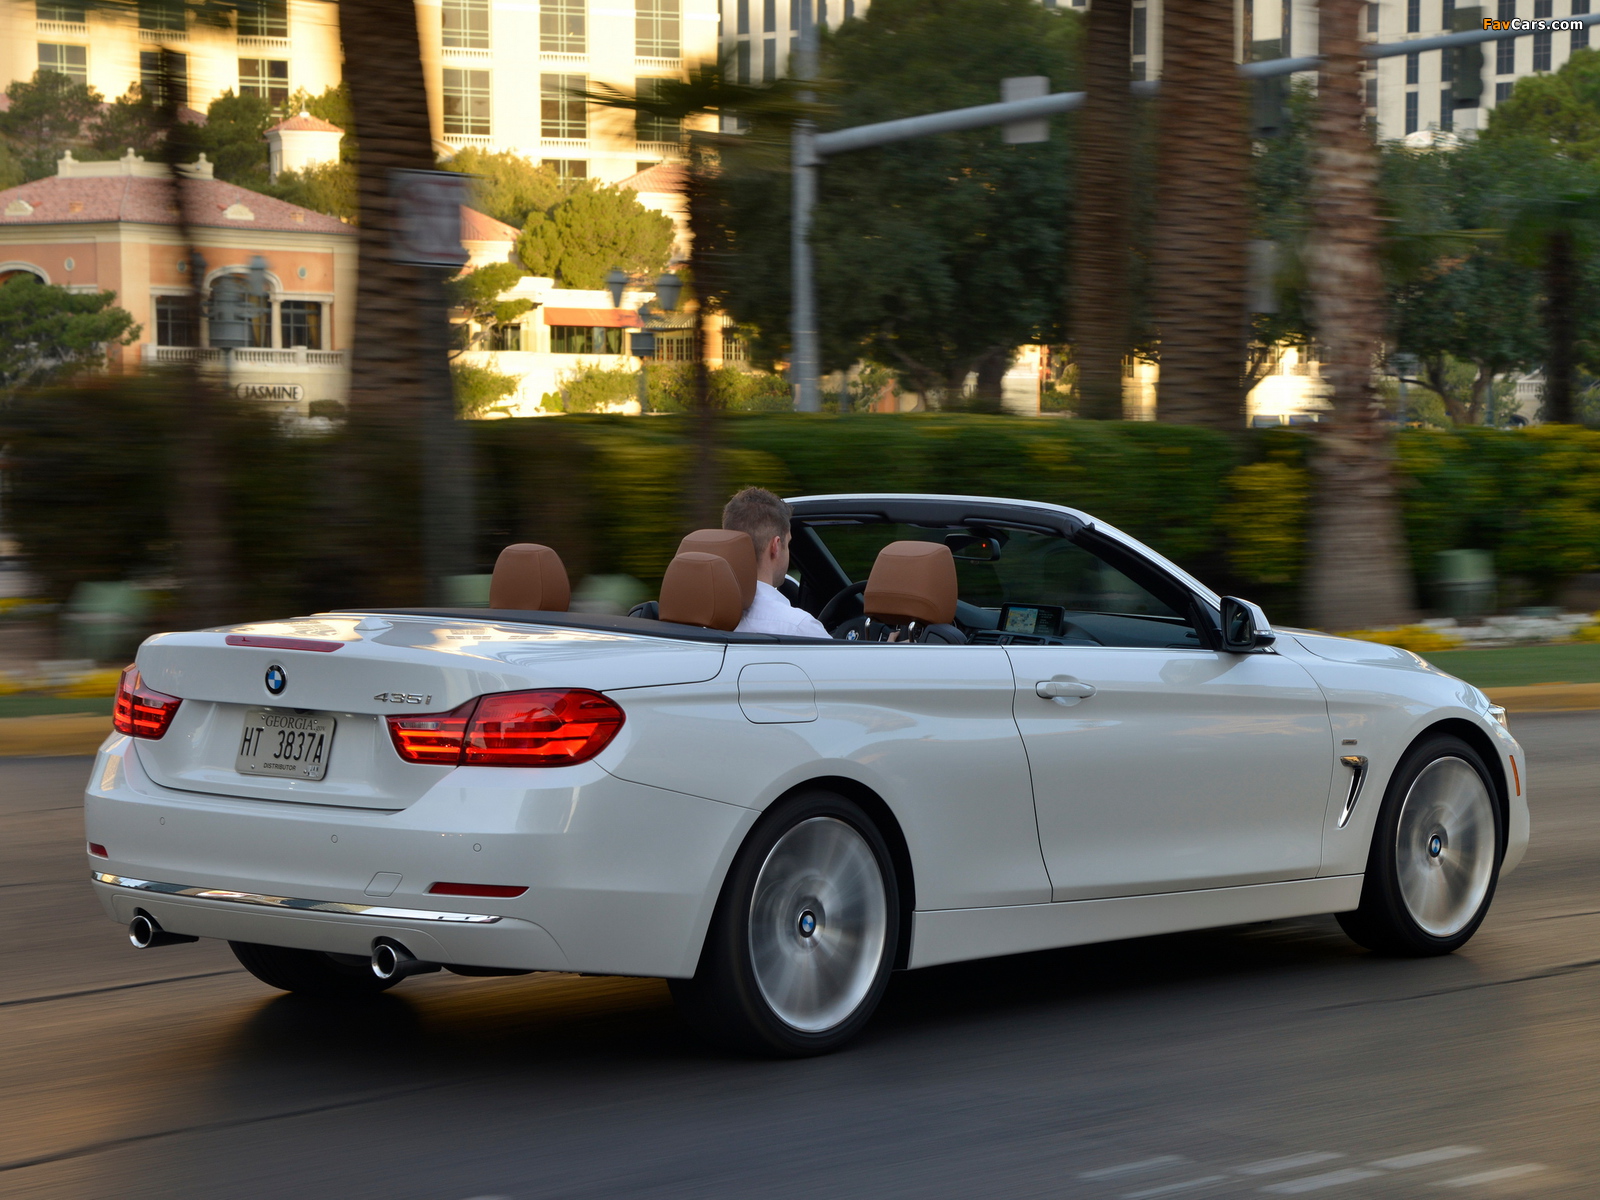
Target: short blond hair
x=759, y=513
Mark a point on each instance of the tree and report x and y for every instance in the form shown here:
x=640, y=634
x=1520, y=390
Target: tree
x=476, y=295
x=46, y=116
x=1202, y=218
x=1357, y=576
x=481, y=390
x=1281, y=171
x=48, y=333
x=1560, y=112
x=130, y=122
x=591, y=231
x=508, y=186
x=328, y=187
x=234, y=138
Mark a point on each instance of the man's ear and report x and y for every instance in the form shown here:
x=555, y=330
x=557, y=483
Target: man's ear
x=774, y=546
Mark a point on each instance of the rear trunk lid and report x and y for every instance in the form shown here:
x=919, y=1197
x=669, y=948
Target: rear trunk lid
x=356, y=670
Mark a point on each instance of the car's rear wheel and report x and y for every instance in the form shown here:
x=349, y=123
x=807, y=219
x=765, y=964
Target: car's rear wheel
x=1435, y=854
x=309, y=972
x=804, y=938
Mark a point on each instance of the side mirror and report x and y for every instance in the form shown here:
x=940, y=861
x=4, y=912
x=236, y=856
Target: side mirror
x=1244, y=626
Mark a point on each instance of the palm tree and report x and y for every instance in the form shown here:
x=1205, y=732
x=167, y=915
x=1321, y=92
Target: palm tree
x=1102, y=259
x=1357, y=576
x=1557, y=232
x=1203, y=218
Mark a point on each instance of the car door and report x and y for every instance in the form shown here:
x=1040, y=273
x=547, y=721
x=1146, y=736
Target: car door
x=1158, y=763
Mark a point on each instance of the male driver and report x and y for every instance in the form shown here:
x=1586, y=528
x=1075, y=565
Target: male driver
x=765, y=518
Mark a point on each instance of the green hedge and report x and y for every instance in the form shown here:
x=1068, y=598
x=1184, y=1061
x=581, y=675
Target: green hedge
x=89, y=466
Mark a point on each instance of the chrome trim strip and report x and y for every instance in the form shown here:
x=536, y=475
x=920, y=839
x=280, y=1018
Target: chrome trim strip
x=1358, y=775
x=322, y=906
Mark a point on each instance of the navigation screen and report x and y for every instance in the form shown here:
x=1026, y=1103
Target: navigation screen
x=1039, y=620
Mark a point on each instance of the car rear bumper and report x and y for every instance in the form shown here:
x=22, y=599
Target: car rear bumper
x=621, y=878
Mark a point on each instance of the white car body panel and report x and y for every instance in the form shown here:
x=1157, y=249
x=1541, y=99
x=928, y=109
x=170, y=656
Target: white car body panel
x=1195, y=788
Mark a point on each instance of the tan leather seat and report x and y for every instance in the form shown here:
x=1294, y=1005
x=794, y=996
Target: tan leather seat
x=530, y=576
x=912, y=583
x=700, y=589
x=733, y=545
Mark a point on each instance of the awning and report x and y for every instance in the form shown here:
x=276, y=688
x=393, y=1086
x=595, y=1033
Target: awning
x=609, y=318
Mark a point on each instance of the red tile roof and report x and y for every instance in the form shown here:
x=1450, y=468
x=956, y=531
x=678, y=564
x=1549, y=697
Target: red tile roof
x=306, y=121
x=663, y=177
x=57, y=201
x=480, y=227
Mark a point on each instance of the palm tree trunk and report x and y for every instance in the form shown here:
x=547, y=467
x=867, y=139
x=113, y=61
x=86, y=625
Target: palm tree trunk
x=400, y=408
x=1101, y=307
x=1560, y=324
x=705, y=491
x=1357, y=575
x=1203, y=217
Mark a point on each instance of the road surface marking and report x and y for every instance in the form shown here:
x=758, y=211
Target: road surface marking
x=1312, y=1183
x=1145, y=1164
x=1423, y=1158
x=1268, y=1165
x=1170, y=1188
x=1494, y=1176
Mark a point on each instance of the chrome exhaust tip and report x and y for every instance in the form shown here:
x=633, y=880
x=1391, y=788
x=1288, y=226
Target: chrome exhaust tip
x=391, y=960
x=144, y=932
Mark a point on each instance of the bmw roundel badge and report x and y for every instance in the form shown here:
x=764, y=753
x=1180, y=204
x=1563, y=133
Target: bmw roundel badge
x=277, y=679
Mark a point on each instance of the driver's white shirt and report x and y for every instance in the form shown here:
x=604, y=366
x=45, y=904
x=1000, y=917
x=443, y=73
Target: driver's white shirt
x=771, y=612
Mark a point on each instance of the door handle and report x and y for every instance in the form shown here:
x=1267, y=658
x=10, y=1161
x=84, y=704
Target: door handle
x=1063, y=689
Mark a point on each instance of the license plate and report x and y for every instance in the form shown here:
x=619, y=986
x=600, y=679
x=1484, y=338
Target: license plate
x=282, y=742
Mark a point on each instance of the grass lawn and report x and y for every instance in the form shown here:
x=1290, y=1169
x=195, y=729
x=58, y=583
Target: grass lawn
x=40, y=706
x=1514, y=666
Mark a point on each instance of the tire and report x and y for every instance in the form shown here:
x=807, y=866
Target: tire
x=309, y=972
x=1435, y=857
x=804, y=937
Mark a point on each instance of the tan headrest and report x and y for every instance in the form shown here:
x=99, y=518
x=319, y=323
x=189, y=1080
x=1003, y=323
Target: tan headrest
x=733, y=545
x=912, y=581
x=699, y=589
x=530, y=576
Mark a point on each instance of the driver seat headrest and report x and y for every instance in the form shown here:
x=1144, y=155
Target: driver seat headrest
x=530, y=576
x=700, y=589
x=733, y=545
x=912, y=582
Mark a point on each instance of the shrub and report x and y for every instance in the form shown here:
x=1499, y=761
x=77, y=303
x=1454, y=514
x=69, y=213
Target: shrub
x=1419, y=639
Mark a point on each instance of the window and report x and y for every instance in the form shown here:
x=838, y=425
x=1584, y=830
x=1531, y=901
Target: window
x=163, y=15
x=1580, y=37
x=822, y=13
x=264, y=18
x=742, y=62
x=506, y=337
x=300, y=324
x=71, y=61
x=1502, y=92
x=567, y=169
x=150, y=75
x=466, y=103
x=1543, y=8
x=1411, y=112
x=679, y=347
x=1372, y=18
x=464, y=24
x=175, y=321
x=1413, y=67
x=68, y=12
x=653, y=129
x=1141, y=31
x=1507, y=10
x=1372, y=92
x=1447, y=65
x=585, y=339
x=655, y=28
x=850, y=9
x=794, y=14
x=1413, y=16
x=1541, y=51
x=267, y=78
x=1447, y=110
x=562, y=114
x=769, y=15
x=1505, y=57
x=230, y=293
x=769, y=60
x=742, y=20
x=563, y=27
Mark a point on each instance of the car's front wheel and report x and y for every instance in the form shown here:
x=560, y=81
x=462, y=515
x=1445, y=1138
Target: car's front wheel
x=1435, y=854
x=804, y=938
x=309, y=972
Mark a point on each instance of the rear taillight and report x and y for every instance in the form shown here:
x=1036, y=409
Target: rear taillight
x=141, y=711
x=511, y=729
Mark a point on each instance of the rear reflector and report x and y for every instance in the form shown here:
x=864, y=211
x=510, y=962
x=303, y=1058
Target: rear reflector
x=281, y=643
x=99, y=851
x=501, y=890
x=140, y=711
x=554, y=728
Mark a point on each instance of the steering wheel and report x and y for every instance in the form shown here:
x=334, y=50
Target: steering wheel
x=833, y=611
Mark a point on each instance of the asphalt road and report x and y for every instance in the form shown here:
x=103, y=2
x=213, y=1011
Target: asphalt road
x=1275, y=1059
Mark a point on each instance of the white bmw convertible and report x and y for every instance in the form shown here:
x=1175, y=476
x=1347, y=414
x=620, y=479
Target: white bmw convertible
x=1028, y=731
